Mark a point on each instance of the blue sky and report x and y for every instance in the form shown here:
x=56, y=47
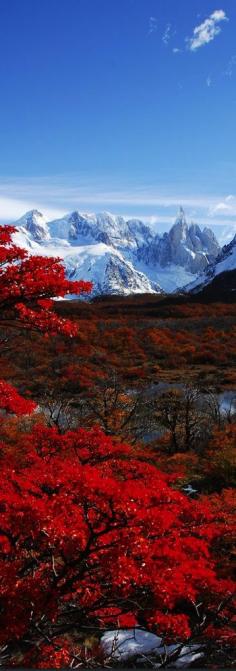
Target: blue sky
x=126, y=105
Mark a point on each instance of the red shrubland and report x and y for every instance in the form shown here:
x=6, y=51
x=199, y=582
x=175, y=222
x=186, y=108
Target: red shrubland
x=91, y=536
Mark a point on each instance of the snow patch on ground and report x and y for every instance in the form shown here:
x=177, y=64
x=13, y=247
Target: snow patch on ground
x=125, y=644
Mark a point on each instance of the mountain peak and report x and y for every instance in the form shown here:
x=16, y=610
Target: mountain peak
x=181, y=214
x=181, y=218
x=179, y=230
x=35, y=223
x=185, y=246
x=32, y=215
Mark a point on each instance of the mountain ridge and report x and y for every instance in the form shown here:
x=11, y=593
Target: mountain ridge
x=224, y=263
x=121, y=256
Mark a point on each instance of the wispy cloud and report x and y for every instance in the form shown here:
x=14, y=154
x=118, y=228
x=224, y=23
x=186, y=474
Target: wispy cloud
x=206, y=31
x=176, y=50
x=209, y=81
x=12, y=208
x=226, y=206
x=153, y=25
x=167, y=34
x=230, y=67
x=61, y=196
x=56, y=196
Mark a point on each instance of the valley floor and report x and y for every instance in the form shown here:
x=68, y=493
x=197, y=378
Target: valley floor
x=158, y=374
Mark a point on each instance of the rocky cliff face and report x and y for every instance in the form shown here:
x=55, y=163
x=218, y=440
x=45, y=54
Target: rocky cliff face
x=104, y=227
x=35, y=224
x=224, y=263
x=184, y=245
x=109, y=271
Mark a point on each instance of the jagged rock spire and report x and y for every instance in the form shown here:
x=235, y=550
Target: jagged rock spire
x=181, y=214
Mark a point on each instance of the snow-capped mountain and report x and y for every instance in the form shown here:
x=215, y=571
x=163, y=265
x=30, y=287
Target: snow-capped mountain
x=186, y=246
x=109, y=271
x=224, y=233
x=120, y=256
x=227, y=258
x=103, y=227
x=90, y=246
x=35, y=224
x=225, y=262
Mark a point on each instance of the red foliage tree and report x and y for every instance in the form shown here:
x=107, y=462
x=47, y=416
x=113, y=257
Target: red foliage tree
x=92, y=537
x=27, y=285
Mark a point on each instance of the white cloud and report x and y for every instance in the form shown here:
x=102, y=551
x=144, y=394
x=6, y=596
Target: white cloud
x=230, y=67
x=12, y=209
x=209, y=81
x=218, y=15
x=227, y=207
x=206, y=31
x=153, y=25
x=167, y=34
x=221, y=207
x=176, y=50
x=58, y=194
